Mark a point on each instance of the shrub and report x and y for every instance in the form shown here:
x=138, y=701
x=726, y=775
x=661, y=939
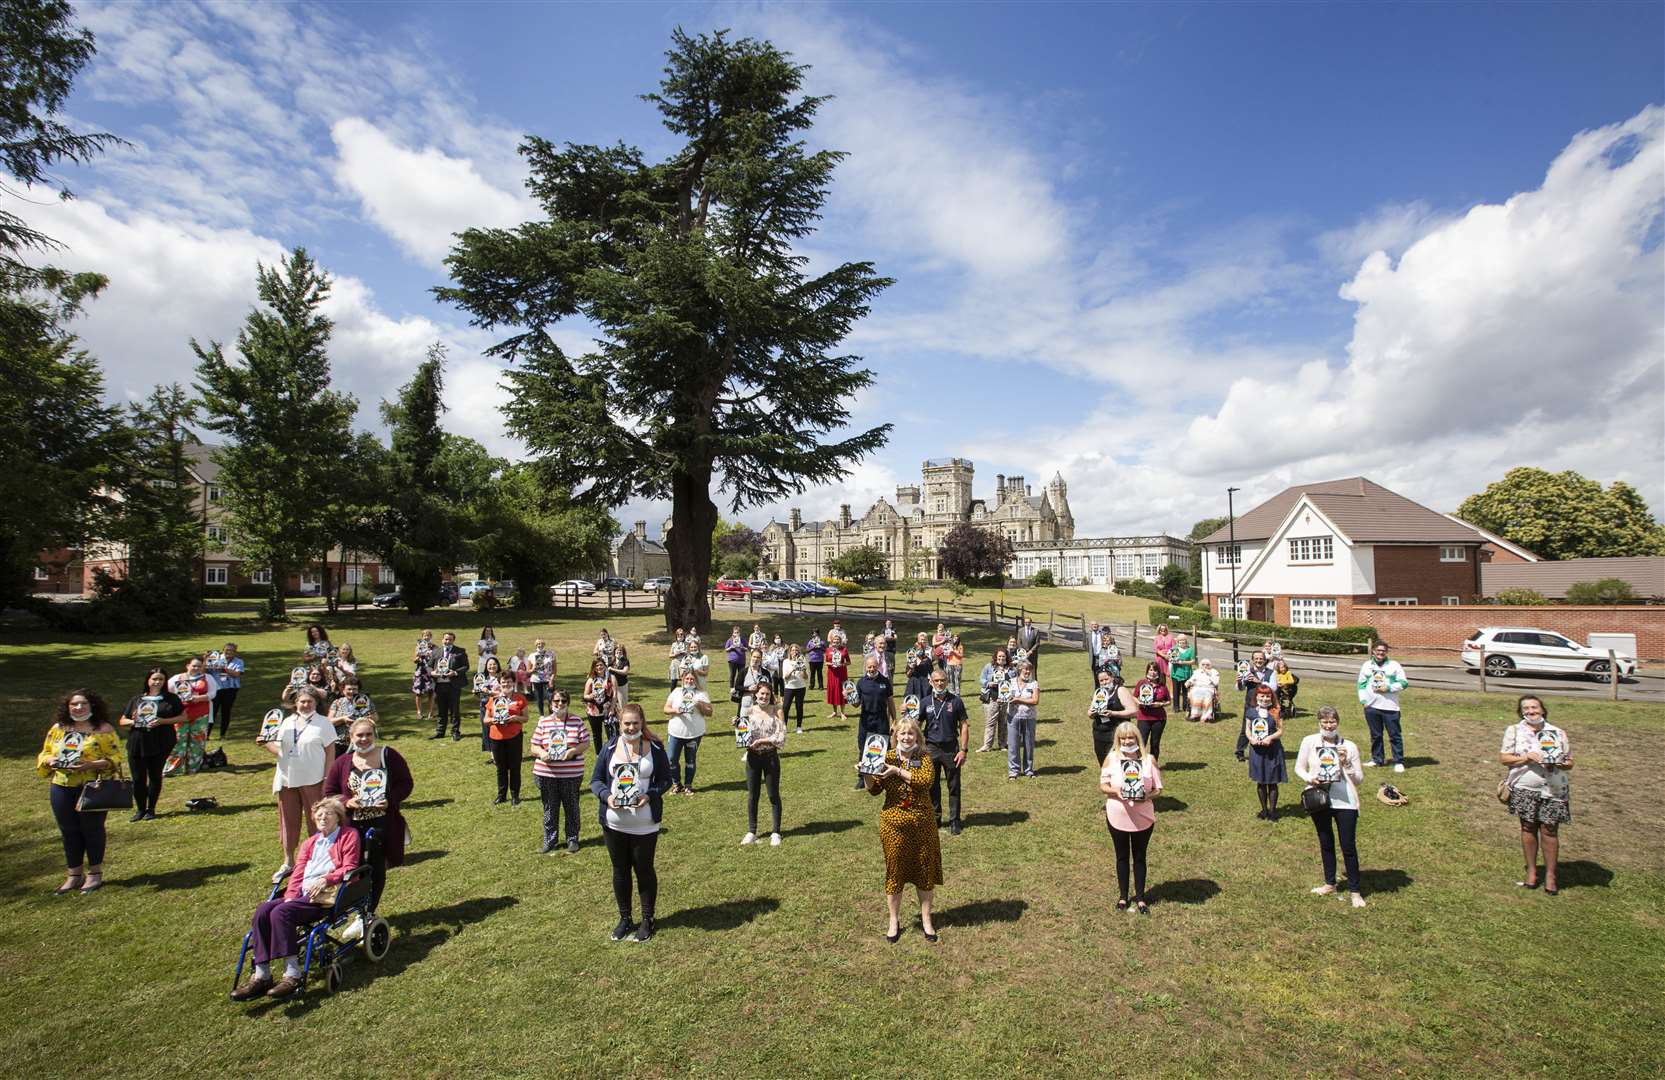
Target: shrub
x=1337, y=642
x=844, y=587
x=483, y=601
x=1042, y=578
x=1139, y=587
x=959, y=590
x=911, y=587
x=1520, y=597
x=1606, y=591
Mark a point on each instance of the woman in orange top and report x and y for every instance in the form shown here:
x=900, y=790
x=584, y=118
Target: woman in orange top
x=505, y=717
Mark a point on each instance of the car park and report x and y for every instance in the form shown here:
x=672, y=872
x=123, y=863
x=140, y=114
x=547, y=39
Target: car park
x=503, y=590
x=388, y=599
x=1528, y=650
x=577, y=585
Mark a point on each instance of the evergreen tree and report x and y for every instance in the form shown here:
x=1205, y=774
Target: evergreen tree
x=717, y=359
x=421, y=534
x=286, y=430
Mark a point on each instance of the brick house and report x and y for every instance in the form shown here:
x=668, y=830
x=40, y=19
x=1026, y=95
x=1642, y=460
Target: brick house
x=1314, y=555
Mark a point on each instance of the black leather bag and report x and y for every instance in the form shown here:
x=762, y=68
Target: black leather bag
x=1316, y=798
x=113, y=794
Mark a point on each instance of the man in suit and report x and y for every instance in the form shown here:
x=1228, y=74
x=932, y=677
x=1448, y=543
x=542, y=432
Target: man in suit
x=1029, y=640
x=450, y=676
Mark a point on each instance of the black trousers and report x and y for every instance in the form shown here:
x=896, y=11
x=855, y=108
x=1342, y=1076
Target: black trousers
x=559, y=794
x=83, y=834
x=374, y=854
x=1151, y=732
x=506, y=753
x=1346, y=826
x=448, y=696
x=147, y=753
x=815, y=682
x=596, y=730
x=1104, y=740
x=943, y=755
x=1133, y=844
x=223, y=701
x=793, y=695
x=735, y=667
x=632, y=854
x=762, y=769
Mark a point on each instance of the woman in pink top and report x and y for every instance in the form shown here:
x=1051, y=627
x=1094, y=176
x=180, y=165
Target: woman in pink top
x=1130, y=782
x=1163, y=646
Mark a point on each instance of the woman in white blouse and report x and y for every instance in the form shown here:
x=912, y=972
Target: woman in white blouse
x=1539, y=756
x=1331, y=764
x=305, y=749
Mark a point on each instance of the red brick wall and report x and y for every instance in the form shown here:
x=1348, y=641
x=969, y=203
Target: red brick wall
x=1491, y=553
x=1417, y=571
x=1447, y=627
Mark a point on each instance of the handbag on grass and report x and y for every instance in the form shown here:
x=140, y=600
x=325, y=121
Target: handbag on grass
x=1315, y=798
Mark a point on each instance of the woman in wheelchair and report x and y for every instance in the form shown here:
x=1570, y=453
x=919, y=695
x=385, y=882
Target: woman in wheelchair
x=324, y=859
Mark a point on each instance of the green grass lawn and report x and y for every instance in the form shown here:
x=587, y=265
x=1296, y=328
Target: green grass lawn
x=772, y=962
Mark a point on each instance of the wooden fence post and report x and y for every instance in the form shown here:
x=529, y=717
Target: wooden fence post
x=886, y=599
x=939, y=609
x=835, y=603
x=1133, y=646
x=1613, y=672
x=751, y=603
x=992, y=623
x=1482, y=667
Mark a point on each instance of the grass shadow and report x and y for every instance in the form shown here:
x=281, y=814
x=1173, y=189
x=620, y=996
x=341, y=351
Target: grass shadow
x=1045, y=742
x=1183, y=766
x=425, y=856
x=995, y=818
x=981, y=913
x=804, y=753
x=817, y=828
x=1581, y=873
x=189, y=877
x=727, y=785
x=1169, y=805
x=229, y=770
x=219, y=811
x=1059, y=770
x=425, y=804
x=1420, y=762
x=727, y=915
x=1383, y=881
x=1183, y=891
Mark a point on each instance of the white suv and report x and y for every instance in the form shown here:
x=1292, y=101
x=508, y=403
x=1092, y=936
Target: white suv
x=1509, y=649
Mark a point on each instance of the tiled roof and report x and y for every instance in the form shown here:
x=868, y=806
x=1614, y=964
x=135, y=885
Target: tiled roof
x=1644, y=573
x=1365, y=512
x=202, y=462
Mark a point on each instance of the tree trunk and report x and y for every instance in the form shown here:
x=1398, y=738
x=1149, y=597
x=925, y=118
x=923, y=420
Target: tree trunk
x=275, y=604
x=693, y=516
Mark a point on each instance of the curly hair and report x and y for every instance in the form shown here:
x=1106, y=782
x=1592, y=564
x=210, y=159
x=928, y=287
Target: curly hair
x=100, y=709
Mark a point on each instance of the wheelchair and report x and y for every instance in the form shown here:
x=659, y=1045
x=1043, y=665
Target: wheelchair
x=323, y=945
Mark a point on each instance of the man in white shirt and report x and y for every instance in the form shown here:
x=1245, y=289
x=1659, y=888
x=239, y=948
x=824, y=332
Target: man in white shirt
x=1380, y=682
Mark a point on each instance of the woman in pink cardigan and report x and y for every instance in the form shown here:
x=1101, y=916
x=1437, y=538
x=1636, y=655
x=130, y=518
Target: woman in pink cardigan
x=323, y=861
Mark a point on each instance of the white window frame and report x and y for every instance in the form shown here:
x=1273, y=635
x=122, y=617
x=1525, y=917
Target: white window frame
x=1227, y=556
x=216, y=534
x=1311, y=549
x=42, y=574
x=216, y=575
x=1152, y=567
x=352, y=575
x=1224, y=604
x=1450, y=601
x=215, y=492
x=1101, y=566
x=1396, y=601
x=1453, y=553
x=1318, y=613
x=1127, y=565
x=261, y=577
x=310, y=577
x=385, y=575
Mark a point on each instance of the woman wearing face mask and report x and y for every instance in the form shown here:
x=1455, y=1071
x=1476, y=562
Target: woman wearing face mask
x=505, y=730
x=422, y=676
x=304, y=746
x=619, y=669
x=1260, y=674
x=735, y=648
x=1151, y=693
x=1203, y=691
x=1332, y=763
x=753, y=677
x=838, y=677
x=196, y=688
x=1263, y=735
x=600, y=701
x=1020, y=729
x=1130, y=782
x=815, y=650
x=1181, y=662
x=1110, y=710
x=794, y=677
x=766, y=736
x=1539, y=756
x=630, y=779
x=150, y=739
x=918, y=663
x=375, y=780
x=80, y=746
x=996, y=673
x=558, y=744
x=688, y=708
x=908, y=827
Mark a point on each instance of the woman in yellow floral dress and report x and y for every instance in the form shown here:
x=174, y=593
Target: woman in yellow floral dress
x=908, y=827
x=81, y=746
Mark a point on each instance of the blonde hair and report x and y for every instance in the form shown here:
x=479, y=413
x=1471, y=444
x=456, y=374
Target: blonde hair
x=1127, y=727
x=908, y=722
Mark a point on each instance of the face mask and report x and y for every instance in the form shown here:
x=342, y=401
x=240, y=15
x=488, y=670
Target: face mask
x=632, y=739
x=1331, y=736
x=940, y=693
x=365, y=749
x=1130, y=751
x=1533, y=721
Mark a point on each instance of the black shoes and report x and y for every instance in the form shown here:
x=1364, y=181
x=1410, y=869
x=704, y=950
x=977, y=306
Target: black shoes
x=954, y=827
x=436, y=735
x=515, y=801
x=572, y=847
x=500, y=800
x=645, y=930
x=138, y=815
x=456, y=736
x=623, y=929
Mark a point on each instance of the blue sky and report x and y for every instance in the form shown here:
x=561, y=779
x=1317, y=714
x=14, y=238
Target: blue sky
x=1159, y=248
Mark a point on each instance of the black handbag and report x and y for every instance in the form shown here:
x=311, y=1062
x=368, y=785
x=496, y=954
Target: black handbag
x=1315, y=798
x=99, y=795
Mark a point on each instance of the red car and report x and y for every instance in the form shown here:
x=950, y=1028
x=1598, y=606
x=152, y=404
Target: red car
x=732, y=587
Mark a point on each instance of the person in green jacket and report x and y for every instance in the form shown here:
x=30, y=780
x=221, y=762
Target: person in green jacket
x=1180, y=662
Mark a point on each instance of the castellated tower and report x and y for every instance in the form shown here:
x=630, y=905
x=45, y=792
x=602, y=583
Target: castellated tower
x=1058, y=494
x=947, y=486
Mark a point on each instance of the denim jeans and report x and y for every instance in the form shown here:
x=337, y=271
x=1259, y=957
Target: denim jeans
x=1020, y=743
x=676, y=749
x=1346, y=827
x=1377, y=720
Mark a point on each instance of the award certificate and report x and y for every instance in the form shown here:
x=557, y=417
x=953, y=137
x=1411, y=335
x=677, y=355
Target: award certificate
x=370, y=788
x=742, y=732
x=269, y=725
x=1329, y=763
x=1549, y=744
x=297, y=676
x=145, y=715
x=1260, y=727
x=1147, y=694
x=1005, y=690
x=1101, y=701
x=627, y=786
x=910, y=707
x=1133, y=780
x=873, y=755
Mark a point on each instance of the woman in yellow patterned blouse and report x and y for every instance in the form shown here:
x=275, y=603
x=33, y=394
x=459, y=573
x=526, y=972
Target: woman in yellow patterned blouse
x=81, y=746
x=908, y=827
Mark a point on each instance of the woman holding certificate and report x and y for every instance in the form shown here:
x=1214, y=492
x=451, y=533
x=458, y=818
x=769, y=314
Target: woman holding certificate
x=505, y=724
x=304, y=745
x=630, y=779
x=908, y=827
x=1151, y=692
x=80, y=746
x=689, y=708
x=765, y=735
x=1539, y=756
x=150, y=739
x=1263, y=739
x=1331, y=766
x=374, y=780
x=1130, y=782
x=1111, y=707
x=1020, y=729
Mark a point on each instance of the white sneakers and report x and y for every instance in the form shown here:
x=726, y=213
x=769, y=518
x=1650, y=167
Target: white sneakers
x=282, y=870
x=749, y=838
x=1323, y=890
x=1399, y=767
x=1358, y=901
x=774, y=839
x=352, y=931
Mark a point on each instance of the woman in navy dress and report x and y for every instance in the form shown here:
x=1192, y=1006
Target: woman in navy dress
x=1263, y=728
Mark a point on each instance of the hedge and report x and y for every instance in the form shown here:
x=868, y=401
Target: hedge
x=1301, y=638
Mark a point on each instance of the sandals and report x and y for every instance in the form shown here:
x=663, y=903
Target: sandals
x=1527, y=884
x=94, y=883
x=1143, y=908
x=1121, y=905
x=71, y=884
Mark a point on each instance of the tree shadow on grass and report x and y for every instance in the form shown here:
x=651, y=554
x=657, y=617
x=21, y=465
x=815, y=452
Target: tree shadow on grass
x=1045, y=742
x=817, y=828
x=1183, y=891
x=425, y=856
x=425, y=804
x=230, y=770
x=727, y=915
x=995, y=818
x=1059, y=770
x=1581, y=873
x=1383, y=881
x=1169, y=805
x=189, y=877
x=981, y=912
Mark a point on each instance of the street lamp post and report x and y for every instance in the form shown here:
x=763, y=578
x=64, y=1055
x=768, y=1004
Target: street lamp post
x=1231, y=555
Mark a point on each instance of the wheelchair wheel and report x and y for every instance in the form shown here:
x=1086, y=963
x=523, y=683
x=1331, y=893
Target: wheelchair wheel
x=377, y=937
x=332, y=979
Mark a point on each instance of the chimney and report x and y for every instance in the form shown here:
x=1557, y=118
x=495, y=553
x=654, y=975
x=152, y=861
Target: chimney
x=999, y=488
x=844, y=515
x=797, y=519
x=641, y=530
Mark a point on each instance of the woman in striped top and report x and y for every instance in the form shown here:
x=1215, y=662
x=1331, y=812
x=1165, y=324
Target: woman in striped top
x=558, y=768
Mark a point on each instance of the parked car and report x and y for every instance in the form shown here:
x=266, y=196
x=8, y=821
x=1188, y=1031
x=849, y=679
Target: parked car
x=503, y=590
x=657, y=584
x=578, y=585
x=1529, y=650
x=732, y=587
x=466, y=590
x=616, y=584
x=388, y=599
x=448, y=593
x=822, y=590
